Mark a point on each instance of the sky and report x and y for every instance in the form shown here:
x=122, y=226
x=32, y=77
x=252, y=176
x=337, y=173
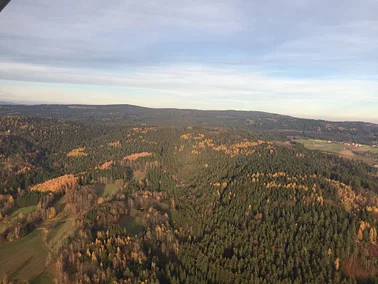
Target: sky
x=305, y=58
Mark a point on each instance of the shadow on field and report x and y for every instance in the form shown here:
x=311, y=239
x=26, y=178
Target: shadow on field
x=22, y=265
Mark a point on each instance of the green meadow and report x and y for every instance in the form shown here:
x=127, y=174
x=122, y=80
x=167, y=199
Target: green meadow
x=24, y=259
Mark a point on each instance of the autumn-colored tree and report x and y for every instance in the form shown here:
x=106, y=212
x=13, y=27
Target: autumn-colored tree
x=360, y=234
x=337, y=264
x=51, y=213
x=373, y=235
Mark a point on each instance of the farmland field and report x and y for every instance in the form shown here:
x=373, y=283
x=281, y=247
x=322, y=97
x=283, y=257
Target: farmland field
x=23, y=259
x=322, y=145
x=43, y=278
x=363, y=153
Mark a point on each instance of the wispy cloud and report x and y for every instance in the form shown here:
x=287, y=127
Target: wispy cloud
x=301, y=57
x=199, y=87
x=192, y=79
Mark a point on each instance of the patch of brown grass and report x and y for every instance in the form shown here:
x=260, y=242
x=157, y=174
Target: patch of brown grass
x=346, y=153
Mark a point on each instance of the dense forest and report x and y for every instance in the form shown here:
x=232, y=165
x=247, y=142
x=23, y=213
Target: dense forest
x=170, y=196
x=259, y=122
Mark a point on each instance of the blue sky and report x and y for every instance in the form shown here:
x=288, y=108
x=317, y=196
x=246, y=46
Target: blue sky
x=303, y=58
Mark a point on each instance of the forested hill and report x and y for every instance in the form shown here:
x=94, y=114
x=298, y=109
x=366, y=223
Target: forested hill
x=122, y=202
x=258, y=122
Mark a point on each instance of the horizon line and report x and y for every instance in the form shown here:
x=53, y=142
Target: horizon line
x=12, y=103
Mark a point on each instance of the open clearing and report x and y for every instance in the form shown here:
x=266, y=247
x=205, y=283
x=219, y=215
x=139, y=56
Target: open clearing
x=138, y=175
x=363, y=153
x=59, y=233
x=322, y=145
x=24, y=210
x=104, y=190
x=24, y=259
x=59, y=205
x=132, y=225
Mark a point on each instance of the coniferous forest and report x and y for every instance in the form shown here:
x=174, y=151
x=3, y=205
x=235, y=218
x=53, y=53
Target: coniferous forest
x=123, y=194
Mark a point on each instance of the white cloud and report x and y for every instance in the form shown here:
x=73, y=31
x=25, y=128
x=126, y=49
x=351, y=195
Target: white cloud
x=191, y=79
x=197, y=86
x=303, y=57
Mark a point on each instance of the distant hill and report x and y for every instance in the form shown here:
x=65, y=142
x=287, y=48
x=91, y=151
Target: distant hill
x=6, y=103
x=255, y=121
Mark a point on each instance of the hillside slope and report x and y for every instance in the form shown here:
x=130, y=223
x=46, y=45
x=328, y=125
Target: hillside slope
x=258, y=122
x=128, y=202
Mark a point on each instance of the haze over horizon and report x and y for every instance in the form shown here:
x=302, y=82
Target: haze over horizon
x=312, y=59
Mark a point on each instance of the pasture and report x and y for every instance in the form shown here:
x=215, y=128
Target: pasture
x=322, y=145
x=363, y=153
x=24, y=259
x=104, y=190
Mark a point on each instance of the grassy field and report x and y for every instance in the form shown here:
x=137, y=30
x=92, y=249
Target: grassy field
x=133, y=226
x=138, y=175
x=347, y=151
x=43, y=278
x=366, y=148
x=23, y=259
x=104, y=190
x=59, y=206
x=59, y=233
x=322, y=145
x=24, y=210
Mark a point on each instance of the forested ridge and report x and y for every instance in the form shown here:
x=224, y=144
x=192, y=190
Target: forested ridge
x=155, y=202
x=263, y=123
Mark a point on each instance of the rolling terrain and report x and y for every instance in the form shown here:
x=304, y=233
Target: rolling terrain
x=258, y=122
x=97, y=194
